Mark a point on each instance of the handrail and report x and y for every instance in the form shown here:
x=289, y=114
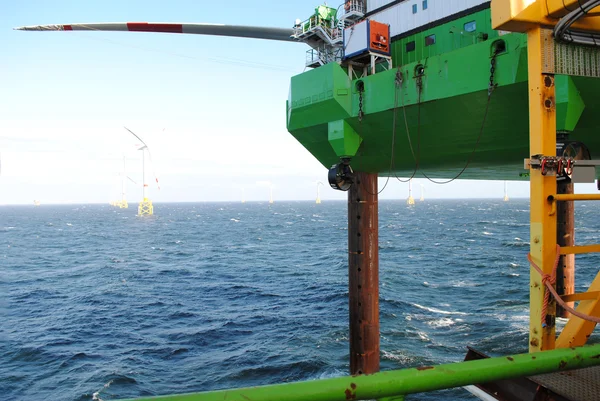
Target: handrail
x=569, y=197
x=573, y=197
x=408, y=381
x=353, y=6
x=581, y=296
x=579, y=249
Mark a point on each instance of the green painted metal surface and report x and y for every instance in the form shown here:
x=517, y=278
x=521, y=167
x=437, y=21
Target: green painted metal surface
x=343, y=138
x=569, y=104
x=326, y=13
x=448, y=37
x=443, y=109
x=408, y=381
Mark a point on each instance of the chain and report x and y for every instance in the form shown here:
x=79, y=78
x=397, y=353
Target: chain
x=360, y=106
x=492, y=85
x=491, y=88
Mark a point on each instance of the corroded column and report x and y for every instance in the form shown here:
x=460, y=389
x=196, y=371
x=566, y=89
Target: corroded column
x=565, y=236
x=363, y=274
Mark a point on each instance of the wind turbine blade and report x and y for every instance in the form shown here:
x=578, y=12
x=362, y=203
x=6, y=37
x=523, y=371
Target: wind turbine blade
x=133, y=133
x=241, y=31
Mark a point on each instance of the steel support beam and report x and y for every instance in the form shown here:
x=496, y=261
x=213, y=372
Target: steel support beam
x=542, y=140
x=407, y=381
x=522, y=15
x=363, y=274
x=577, y=331
x=565, y=236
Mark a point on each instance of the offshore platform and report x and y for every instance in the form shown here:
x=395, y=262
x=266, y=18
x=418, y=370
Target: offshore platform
x=441, y=90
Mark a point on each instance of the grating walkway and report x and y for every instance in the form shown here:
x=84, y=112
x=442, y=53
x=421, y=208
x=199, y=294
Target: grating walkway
x=574, y=385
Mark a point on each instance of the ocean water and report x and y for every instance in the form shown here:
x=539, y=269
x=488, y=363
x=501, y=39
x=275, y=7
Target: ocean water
x=98, y=304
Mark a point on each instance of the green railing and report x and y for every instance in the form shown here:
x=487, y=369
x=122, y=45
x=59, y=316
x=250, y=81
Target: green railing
x=394, y=384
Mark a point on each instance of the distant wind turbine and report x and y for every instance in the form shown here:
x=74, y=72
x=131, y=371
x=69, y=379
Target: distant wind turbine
x=319, y=183
x=410, y=201
x=145, y=207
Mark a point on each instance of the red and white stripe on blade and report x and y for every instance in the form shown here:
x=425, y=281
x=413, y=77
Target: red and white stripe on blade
x=255, y=32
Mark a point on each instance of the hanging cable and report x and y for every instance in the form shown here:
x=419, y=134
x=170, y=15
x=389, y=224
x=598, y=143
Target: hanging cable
x=491, y=87
x=399, y=85
x=361, y=90
x=563, y=33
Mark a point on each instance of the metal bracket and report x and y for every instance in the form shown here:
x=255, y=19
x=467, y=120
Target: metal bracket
x=566, y=167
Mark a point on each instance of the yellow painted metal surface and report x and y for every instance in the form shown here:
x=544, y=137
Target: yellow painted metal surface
x=577, y=331
x=542, y=140
x=581, y=296
x=577, y=250
x=530, y=16
x=145, y=208
x=576, y=197
x=523, y=15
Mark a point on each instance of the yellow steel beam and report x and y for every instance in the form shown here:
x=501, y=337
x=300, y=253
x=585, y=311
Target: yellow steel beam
x=559, y=8
x=581, y=296
x=542, y=140
x=579, y=249
x=577, y=331
x=522, y=15
x=575, y=197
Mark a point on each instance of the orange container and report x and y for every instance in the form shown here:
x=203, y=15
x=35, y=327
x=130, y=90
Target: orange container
x=379, y=37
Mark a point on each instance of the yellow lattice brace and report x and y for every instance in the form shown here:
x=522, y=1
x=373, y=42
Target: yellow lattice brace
x=577, y=331
x=522, y=15
x=542, y=140
x=145, y=208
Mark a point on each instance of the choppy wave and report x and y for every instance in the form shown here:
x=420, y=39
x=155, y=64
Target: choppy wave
x=435, y=310
x=210, y=296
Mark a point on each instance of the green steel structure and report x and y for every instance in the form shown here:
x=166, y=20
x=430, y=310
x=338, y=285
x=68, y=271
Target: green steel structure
x=442, y=100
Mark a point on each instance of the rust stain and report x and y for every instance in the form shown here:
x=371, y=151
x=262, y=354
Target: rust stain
x=562, y=365
x=424, y=367
x=349, y=394
x=510, y=358
x=353, y=386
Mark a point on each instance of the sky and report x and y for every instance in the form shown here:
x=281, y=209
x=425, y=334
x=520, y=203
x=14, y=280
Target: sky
x=210, y=109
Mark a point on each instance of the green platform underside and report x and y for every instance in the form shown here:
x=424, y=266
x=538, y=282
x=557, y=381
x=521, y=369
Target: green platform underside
x=444, y=122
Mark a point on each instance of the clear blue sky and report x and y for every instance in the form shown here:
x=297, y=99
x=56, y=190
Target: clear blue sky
x=211, y=109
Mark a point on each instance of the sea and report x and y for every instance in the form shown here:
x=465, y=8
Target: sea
x=98, y=304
